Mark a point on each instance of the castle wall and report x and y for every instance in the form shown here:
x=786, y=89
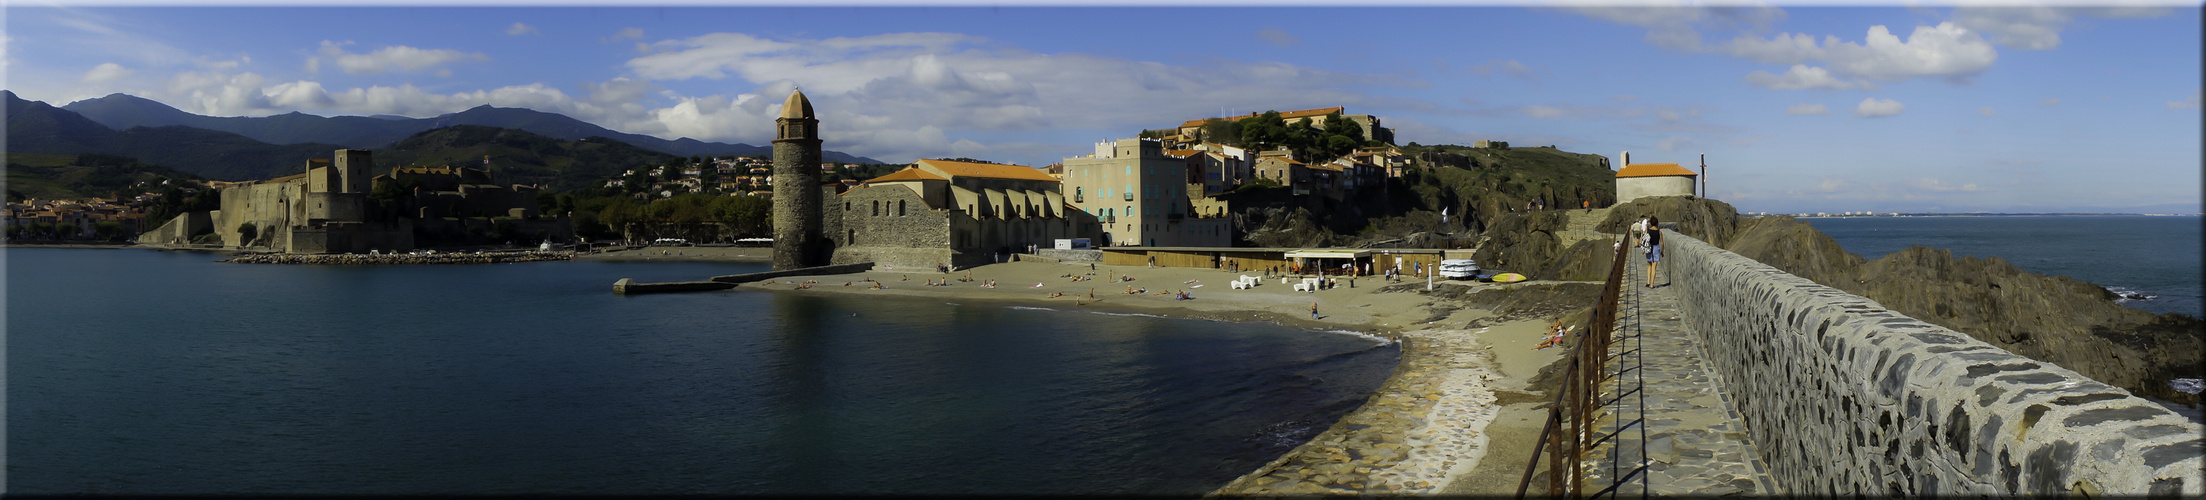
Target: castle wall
x=179, y=230
x=1843, y=396
x=271, y=206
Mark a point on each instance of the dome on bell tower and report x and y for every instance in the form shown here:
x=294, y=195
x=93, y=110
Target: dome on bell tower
x=797, y=106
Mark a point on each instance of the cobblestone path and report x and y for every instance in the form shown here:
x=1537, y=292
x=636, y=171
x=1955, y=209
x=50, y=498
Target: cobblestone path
x=1696, y=442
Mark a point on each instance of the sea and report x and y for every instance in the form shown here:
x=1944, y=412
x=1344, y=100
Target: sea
x=2153, y=257
x=136, y=372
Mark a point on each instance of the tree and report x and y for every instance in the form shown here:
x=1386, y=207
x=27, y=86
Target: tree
x=1263, y=132
x=1227, y=132
x=108, y=229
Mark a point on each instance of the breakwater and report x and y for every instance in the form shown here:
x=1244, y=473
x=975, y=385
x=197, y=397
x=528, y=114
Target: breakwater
x=354, y=259
x=1843, y=396
x=627, y=286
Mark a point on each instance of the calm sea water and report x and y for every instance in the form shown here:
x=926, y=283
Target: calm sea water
x=2157, y=256
x=145, y=372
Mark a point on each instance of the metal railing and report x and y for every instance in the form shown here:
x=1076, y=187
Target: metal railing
x=1570, y=417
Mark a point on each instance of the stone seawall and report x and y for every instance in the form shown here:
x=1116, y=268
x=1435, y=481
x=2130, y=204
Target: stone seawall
x=809, y=271
x=354, y=259
x=1071, y=255
x=1845, y=397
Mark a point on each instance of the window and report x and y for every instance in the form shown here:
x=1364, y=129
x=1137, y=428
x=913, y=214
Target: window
x=899, y=208
x=876, y=208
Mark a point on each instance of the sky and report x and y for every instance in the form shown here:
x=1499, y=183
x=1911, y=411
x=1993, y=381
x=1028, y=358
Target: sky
x=2013, y=107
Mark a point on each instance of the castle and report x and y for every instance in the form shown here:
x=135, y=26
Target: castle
x=328, y=209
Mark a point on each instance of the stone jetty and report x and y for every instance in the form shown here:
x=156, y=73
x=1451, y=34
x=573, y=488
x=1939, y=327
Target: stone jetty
x=354, y=259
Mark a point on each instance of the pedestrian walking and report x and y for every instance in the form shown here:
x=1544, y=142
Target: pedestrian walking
x=1313, y=309
x=1654, y=248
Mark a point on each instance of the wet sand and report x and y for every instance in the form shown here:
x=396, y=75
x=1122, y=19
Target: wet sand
x=1458, y=396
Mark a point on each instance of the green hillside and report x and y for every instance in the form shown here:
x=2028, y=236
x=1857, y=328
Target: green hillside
x=520, y=157
x=50, y=176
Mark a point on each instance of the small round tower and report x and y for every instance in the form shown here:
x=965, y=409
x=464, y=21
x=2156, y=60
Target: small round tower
x=797, y=211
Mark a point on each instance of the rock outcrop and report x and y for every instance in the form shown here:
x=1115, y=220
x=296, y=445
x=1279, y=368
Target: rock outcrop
x=2055, y=319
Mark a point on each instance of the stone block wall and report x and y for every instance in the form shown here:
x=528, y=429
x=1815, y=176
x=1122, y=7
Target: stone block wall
x=1845, y=397
x=1090, y=255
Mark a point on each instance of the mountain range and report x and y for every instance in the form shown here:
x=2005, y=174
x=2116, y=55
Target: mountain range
x=124, y=111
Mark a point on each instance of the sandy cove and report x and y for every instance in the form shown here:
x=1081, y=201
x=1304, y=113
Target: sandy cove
x=1458, y=396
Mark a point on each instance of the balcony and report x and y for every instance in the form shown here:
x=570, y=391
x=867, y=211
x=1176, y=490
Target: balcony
x=1107, y=219
x=1129, y=196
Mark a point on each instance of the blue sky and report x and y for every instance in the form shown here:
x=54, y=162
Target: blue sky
x=2016, y=108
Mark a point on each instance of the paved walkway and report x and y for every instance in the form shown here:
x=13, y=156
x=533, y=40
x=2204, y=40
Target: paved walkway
x=1696, y=440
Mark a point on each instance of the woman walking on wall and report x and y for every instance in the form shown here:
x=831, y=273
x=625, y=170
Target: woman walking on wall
x=1654, y=248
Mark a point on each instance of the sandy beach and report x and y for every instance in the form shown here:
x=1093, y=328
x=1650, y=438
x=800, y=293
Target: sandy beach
x=1429, y=429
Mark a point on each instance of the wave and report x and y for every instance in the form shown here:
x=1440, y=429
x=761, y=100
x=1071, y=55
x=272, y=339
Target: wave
x=2125, y=295
x=1374, y=338
x=1145, y=315
x=2188, y=385
x=1030, y=308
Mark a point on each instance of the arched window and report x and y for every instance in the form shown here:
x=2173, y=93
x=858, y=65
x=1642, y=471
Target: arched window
x=876, y=208
x=899, y=208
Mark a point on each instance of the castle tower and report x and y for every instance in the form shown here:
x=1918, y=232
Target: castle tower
x=797, y=238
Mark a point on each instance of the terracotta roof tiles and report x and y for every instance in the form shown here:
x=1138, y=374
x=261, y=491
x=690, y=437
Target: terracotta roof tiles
x=1654, y=170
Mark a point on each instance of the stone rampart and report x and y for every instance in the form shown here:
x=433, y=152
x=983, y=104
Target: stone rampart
x=809, y=271
x=1071, y=255
x=1842, y=396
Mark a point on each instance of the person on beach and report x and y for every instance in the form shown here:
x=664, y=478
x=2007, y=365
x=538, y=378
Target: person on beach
x=1654, y=248
x=1313, y=309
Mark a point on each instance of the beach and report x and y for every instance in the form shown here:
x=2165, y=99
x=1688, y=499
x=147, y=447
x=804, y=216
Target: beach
x=1452, y=418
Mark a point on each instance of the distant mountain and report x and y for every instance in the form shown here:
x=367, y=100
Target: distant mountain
x=519, y=156
x=36, y=127
x=122, y=111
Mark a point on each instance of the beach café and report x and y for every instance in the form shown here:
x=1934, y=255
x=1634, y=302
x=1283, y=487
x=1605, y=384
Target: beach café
x=1300, y=261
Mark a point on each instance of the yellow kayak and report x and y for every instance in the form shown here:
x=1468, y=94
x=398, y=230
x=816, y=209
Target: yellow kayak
x=1508, y=278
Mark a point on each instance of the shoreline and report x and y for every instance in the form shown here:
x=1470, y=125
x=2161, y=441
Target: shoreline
x=1424, y=430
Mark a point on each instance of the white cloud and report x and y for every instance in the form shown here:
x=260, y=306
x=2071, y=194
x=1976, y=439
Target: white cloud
x=2049, y=101
x=209, y=63
x=624, y=34
x=1940, y=186
x=1987, y=111
x=103, y=73
x=518, y=29
x=1277, y=37
x=959, y=84
x=1808, y=109
x=2036, y=27
x=2191, y=103
x=1510, y=68
x=1678, y=27
x=1874, y=107
x=1943, y=51
x=393, y=57
x=1675, y=142
x=1802, y=76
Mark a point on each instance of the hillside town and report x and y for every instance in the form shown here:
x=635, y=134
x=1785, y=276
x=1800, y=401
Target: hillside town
x=1184, y=185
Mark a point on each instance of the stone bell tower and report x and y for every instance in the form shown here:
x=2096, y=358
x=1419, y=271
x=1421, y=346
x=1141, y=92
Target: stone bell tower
x=797, y=239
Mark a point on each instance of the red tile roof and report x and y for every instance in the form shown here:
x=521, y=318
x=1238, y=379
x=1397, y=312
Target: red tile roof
x=965, y=169
x=1654, y=170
